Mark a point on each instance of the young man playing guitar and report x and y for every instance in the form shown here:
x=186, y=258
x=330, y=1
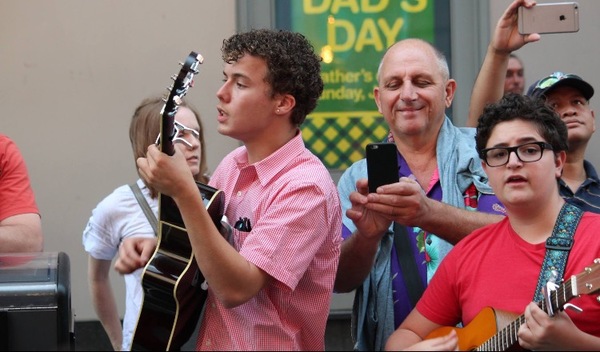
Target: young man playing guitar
x=522, y=143
x=119, y=216
x=269, y=287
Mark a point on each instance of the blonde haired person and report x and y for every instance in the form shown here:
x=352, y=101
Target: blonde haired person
x=120, y=216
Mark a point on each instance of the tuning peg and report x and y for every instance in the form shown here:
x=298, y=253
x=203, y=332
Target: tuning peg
x=573, y=307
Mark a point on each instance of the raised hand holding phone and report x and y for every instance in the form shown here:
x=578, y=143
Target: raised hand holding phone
x=559, y=17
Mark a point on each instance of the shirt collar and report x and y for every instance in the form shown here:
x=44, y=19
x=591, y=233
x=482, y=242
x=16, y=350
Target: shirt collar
x=272, y=165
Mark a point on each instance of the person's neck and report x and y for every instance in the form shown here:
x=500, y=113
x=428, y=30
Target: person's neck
x=269, y=142
x=573, y=171
x=534, y=223
x=420, y=155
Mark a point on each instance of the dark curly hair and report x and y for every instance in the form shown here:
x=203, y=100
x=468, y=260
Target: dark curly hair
x=520, y=107
x=292, y=65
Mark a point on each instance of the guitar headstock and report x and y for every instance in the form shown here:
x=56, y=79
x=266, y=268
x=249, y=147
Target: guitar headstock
x=588, y=281
x=182, y=82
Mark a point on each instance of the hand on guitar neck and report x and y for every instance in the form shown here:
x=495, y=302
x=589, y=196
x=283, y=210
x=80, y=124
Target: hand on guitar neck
x=496, y=330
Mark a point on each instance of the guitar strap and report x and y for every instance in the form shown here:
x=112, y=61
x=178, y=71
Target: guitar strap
x=558, y=246
x=145, y=207
x=406, y=259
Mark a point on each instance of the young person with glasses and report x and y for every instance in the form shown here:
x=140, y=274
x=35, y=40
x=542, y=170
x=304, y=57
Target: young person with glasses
x=522, y=143
x=566, y=93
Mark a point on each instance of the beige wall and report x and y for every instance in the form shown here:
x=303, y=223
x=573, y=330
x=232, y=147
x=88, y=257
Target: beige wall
x=72, y=73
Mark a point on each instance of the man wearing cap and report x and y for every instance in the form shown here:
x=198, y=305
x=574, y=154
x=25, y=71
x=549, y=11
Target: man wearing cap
x=568, y=94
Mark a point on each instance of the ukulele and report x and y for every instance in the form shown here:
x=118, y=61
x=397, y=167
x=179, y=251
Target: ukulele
x=174, y=288
x=496, y=330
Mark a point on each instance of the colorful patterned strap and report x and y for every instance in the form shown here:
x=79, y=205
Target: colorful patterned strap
x=557, y=247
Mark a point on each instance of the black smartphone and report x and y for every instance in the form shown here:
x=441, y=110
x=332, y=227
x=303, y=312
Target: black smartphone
x=382, y=164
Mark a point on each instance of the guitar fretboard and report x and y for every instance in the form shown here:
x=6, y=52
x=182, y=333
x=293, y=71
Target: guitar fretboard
x=507, y=337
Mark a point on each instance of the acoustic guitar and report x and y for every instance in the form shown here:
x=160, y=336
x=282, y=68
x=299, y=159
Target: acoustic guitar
x=174, y=288
x=495, y=330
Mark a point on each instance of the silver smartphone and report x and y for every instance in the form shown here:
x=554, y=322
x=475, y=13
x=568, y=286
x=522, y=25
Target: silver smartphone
x=558, y=17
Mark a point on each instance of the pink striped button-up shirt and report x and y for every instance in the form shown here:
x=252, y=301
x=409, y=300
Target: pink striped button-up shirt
x=295, y=214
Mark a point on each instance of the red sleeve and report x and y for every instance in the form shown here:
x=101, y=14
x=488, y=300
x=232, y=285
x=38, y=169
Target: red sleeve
x=16, y=194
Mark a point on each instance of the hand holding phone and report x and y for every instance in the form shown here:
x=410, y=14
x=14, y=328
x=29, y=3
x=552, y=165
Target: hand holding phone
x=559, y=17
x=382, y=165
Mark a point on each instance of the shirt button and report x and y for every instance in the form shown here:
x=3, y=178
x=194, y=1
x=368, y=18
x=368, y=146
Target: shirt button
x=239, y=194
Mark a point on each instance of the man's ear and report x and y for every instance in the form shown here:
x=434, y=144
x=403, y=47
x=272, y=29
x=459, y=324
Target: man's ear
x=285, y=104
x=559, y=161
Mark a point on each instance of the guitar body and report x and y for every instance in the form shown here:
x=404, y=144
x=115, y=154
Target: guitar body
x=496, y=330
x=172, y=283
x=485, y=325
x=174, y=288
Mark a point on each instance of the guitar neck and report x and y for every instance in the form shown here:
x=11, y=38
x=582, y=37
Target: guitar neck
x=181, y=83
x=167, y=130
x=507, y=337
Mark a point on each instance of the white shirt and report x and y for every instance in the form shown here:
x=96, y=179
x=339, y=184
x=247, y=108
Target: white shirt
x=116, y=217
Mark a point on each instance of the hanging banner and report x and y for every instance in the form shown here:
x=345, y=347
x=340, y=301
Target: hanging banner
x=351, y=37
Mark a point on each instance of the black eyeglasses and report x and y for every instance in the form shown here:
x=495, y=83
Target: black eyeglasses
x=527, y=153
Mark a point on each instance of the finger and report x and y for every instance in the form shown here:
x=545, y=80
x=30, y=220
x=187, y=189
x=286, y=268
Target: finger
x=147, y=249
x=532, y=37
x=362, y=186
x=357, y=198
x=121, y=267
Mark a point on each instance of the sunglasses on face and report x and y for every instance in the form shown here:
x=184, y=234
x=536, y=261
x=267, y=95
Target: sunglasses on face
x=181, y=131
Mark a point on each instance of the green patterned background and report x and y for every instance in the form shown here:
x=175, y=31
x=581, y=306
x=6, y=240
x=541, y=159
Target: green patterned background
x=339, y=138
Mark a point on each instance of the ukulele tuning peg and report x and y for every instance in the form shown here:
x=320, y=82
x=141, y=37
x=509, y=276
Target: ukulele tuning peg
x=572, y=307
x=174, y=77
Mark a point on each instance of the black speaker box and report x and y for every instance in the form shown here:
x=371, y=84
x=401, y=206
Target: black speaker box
x=35, y=302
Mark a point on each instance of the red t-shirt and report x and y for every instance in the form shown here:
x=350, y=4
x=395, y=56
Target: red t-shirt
x=495, y=267
x=16, y=195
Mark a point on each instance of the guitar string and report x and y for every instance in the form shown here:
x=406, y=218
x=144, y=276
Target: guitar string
x=507, y=337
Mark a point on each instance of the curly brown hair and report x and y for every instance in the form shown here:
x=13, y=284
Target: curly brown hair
x=292, y=65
